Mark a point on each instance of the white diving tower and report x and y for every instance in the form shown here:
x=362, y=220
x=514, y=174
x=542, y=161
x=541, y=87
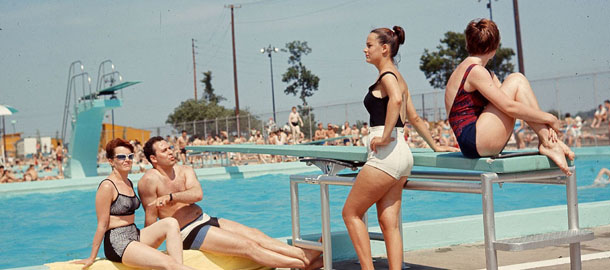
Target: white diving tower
x=87, y=115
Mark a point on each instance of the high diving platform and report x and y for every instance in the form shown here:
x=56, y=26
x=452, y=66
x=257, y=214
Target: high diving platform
x=452, y=173
x=87, y=114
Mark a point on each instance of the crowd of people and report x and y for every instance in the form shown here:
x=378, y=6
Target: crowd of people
x=575, y=133
x=36, y=167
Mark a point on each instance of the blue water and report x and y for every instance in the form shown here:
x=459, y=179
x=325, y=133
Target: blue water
x=38, y=228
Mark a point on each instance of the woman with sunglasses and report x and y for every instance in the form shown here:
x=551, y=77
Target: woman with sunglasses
x=115, y=205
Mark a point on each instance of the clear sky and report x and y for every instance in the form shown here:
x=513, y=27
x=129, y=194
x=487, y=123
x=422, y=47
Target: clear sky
x=150, y=41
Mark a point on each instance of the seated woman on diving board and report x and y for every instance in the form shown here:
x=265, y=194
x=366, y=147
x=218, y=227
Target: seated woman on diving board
x=115, y=204
x=482, y=110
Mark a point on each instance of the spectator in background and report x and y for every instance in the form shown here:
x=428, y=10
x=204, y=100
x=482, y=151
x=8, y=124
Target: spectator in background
x=294, y=118
x=599, y=116
x=6, y=176
x=346, y=131
x=59, y=156
x=330, y=133
x=364, y=134
x=30, y=174
x=355, y=135
x=519, y=133
x=271, y=125
x=181, y=142
x=320, y=133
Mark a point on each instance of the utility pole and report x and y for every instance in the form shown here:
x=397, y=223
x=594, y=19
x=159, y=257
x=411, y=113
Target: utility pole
x=518, y=34
x=194, y=70
x=235, y=68
x=493, y=60
x=269, y=50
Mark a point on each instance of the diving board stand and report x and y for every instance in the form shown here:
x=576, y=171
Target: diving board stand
x=87, y=127
x=475, y=176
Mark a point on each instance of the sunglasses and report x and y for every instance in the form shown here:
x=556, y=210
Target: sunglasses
x=123, y=157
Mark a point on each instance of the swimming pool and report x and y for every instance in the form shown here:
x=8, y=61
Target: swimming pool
x=44, y=227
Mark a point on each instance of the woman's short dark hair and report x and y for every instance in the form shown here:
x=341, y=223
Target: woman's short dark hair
x=111, y=145
x=394, y=38
x=148, y=147
x=482, y=37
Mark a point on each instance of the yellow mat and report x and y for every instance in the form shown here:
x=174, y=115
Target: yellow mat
x=193, y=258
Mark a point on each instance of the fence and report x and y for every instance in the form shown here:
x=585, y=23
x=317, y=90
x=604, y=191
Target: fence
x=579, y=93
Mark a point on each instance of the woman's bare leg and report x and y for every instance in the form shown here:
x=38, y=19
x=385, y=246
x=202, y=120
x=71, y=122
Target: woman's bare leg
x=167, y=230
x=388, y=214
x=495, y=122
x=144, y=254
x=371, y=186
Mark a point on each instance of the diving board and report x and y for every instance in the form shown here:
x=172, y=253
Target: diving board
x=421, y=156
x=352, y=153
x=110, y=90
x=318, y=142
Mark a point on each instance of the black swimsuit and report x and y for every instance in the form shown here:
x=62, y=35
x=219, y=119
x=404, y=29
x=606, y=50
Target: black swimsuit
x=377, y=107
x=117, y=239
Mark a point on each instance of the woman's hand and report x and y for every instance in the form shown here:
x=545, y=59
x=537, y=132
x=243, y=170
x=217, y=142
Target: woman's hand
x=554, y=123
x=553, y=136
x=445, y=148
x=87, y=262
x=379, y=141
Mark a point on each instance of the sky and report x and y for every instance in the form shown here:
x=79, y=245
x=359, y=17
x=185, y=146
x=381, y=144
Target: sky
x=150, y=41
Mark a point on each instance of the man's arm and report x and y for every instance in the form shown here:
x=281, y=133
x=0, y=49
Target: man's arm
x=193, y=192
x=148, y=194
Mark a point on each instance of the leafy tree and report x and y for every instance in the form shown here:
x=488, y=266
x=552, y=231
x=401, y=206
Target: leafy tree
x=208, y=90
x=438, y=65
x=300, y=79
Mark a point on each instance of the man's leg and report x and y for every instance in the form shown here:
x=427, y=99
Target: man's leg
x=223, y=241
x=267, y=242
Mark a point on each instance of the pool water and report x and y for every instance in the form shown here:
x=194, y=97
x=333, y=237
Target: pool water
x=38, y=228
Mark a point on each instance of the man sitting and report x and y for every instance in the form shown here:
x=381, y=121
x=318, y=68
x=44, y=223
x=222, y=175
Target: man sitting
x=171, y=190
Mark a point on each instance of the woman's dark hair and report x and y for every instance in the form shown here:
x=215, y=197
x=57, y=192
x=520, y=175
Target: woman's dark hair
x=394, y=38
x=482, y=37
x=111, y=145
x=148, y=147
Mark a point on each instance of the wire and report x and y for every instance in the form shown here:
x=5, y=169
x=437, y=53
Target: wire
x=301, y=15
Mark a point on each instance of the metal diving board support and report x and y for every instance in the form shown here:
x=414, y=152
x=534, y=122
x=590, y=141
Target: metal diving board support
x=467, y=182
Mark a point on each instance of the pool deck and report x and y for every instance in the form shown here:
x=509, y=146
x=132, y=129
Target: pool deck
x=595, y=256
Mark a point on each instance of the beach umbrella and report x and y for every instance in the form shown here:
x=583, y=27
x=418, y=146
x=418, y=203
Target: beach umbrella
x=5, y=110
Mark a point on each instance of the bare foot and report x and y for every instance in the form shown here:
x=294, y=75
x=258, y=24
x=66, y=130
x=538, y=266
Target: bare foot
x=566, y=150
x=311, y=255
x=317, y=263
x=556, y=153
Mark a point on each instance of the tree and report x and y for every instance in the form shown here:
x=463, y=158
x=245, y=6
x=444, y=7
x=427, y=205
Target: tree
x=208, y=90
x=438, y=65
x=300, y=79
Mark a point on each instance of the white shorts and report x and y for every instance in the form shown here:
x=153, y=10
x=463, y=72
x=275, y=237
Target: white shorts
x=395, y=158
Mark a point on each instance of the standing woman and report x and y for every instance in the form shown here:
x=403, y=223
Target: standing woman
x=482, y=110
x=389, y=162
x=115, y=205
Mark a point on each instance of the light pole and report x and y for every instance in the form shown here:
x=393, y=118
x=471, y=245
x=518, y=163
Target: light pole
x=269, y=50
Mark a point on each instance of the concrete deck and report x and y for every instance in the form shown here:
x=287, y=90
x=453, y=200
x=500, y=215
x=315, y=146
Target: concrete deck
x=595, y=256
